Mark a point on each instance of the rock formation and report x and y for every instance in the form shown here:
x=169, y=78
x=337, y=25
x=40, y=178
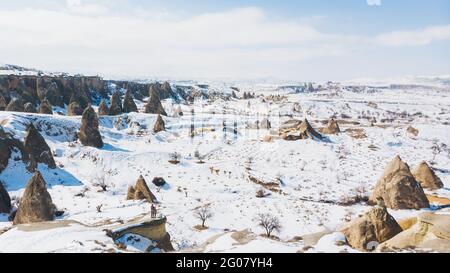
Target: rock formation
x=15, y=105
x=413, y=131
x=5, y=200
x=89, y=134
x=45, y=107
x=3, y=103
x=7, y=144
x=74, y=109
x=103, y=109
x=426, y=177
x=29, y=108
x=36, y=203
x=374, y=227
x=398, y=188
x=115, y=107
x=430, y=232
x=159, y=125
x=154, y=105
x=302, y=131
x=37, y=149
x=140, y=191
x=332, y=128
x=159, y=181
x=128, y=103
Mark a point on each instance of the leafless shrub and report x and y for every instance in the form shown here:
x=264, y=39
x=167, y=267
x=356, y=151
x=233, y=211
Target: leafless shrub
x=269, y=222
x=203, y=214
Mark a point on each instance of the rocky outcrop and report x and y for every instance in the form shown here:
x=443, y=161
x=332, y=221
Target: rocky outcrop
x=430, y=232
x=153, y=229
x=37, y=149
x=374, y=227
x=3, y=103
x=29, y=108
x=103, y=109
x=413, y=131
x=89, y=134
x=115, y=107
x=426, y=177
x=15, y=105
x=398, y=188
x=302, y=131
x=36, y=203
x=154, y=105
x=5, y=200
x=45, y=107
x=7, y=144
x=332, y=128
x=74, y=109
x=159, y=125
x=140, y=191
x=128, y=103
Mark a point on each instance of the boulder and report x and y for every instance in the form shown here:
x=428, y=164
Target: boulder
x=89, y=134
x=115, y=107
x=430, y=232
x=29, y=108
x=303, y=131
x=426, y=177
x=413, y=131
x=103, y=109
x=159, y=125
x=128, y=103
x=398, y=188
x=140, y=191
x=36, y=203
x=371, y=229
x=159, y=181
x=36, y=147
x=5, y=200
x=15, y=105
x=74, y=109
x=45, y=107
x=154, y=105
x=332, y=128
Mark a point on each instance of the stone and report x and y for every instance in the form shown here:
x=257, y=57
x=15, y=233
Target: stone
x=154, y=105
x=426, y=177
x=5, y=200
x=36, y=147
x=29, y=108
x=140, y=191
x=398, y=188
x=159, y=125
x=128, y=103
x=15, y=105
x=103, y=109
x=45, y=107
x=115, y=107
x=89, y=134
x=36, y=203
x=74, y=109
x=332, y=128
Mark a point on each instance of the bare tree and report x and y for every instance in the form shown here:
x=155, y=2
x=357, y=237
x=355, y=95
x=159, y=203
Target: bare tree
x=203, y=213
x=268, y=222
x=100, y=181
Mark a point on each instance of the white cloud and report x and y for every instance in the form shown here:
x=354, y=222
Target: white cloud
x=419, y=37
x=239, y=43
x=374, y=2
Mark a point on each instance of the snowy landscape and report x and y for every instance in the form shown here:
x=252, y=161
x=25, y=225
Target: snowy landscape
x=270, y=167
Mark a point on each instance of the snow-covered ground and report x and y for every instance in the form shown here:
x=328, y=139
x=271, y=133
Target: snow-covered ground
x=316, y=176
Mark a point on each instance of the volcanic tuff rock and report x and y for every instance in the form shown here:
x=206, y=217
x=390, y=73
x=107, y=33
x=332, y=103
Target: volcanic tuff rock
x=426, y=177
x=140, y=191
x=89, y=134
x=37, y=148
x=36, y=203
x=398, y=188
x=115, y=107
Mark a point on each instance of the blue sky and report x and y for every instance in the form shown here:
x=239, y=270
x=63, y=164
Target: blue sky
x=295, y=40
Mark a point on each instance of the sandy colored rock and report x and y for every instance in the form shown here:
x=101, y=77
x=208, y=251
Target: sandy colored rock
x=140, y=191
x=374, y=227
x=89, y=134
x=74, y=109
x=29, y=108
x=426, y=177
x=154, y=105
x=45, y=107
x=5, y=200
x=332, y=128
x=128, y=103
x=413, y=131
x=15, y=105
x=36, y=203
x=303, y=131
x=103, y=109
x=159, y=125
x=432, y=232
x=398, y=188
x=115, y=106
x=36, y=147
